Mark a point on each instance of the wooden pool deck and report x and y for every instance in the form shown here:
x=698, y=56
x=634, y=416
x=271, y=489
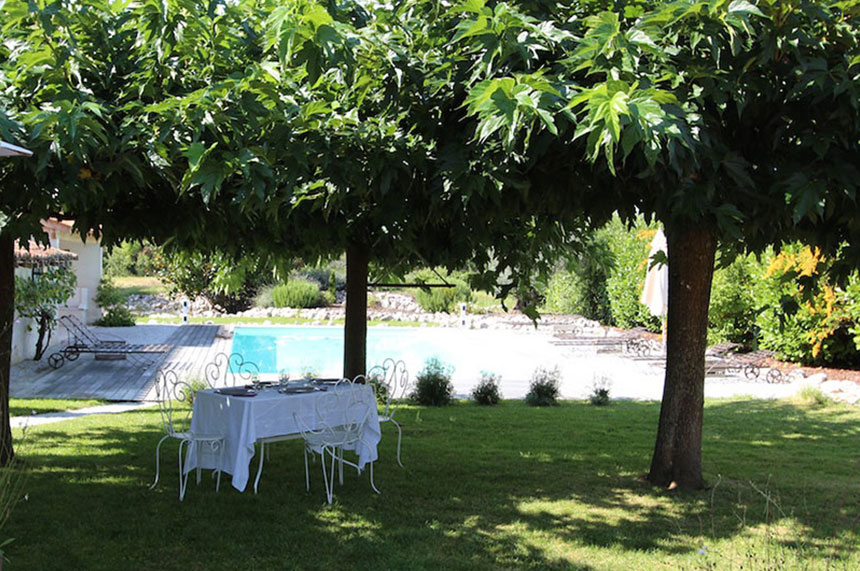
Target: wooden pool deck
x=120, y=380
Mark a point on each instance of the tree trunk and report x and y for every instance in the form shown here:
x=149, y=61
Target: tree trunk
x=355, y=328
x=677, y=460
x=44, y=338
x=7, y=317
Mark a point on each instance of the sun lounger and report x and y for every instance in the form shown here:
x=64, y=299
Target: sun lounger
x=83, y=340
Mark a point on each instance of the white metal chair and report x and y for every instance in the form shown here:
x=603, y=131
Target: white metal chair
x=226, y=370
x=390, y=382
x=170, y=391
x=263, y=442
x=340, y=415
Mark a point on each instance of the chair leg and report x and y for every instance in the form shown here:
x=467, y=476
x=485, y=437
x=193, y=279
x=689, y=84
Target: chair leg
x=183, y=477
x=399, y=437
x=372, y=485
x=340, y=464
x=260, y=469
x=220, y=463
x=329, y=485
x=157, y=460
x=307, y=474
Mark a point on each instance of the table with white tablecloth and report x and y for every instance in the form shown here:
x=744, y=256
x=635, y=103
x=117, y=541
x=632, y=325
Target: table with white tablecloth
x=241, y=420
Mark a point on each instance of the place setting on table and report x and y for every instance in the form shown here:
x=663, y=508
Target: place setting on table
x=264, y=411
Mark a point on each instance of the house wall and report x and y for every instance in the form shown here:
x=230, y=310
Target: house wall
x=88, y=268
x=23, y=341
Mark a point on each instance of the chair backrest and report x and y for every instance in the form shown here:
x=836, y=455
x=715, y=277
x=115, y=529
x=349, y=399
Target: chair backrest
x=390, y=382
x=172, y=393
x=339, y=413
x=82, y=334
x=229, y=370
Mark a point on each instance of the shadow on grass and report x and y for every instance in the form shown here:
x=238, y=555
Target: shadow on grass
x=505, y=487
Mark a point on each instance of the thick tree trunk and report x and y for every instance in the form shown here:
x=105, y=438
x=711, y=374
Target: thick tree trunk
x=677, y=460
x=7, y=317
x=355, y=328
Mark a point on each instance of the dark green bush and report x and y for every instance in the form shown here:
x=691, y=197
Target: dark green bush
x=296, y=293
x=441, y=299
x=734, y=308
x=486, y=392
x=433, y=385
x=579, y=286
x=600, y=392
x=112, y=301
x=544, y=387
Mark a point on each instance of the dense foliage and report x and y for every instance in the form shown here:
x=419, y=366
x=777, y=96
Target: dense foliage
x=37, y=298
x=112, y=302
x=433, y=386
x=441, y=299
x=298, y=293
x=544, y=387
x=131, y=259
x=487, y=392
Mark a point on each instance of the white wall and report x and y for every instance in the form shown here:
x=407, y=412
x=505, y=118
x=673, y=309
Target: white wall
x=88, y=268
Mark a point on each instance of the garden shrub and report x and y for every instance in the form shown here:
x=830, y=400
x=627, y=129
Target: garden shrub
x=630, y=248
x=807, y=318
x=225, y=282
x=263, y=297
x=119, y=261
x=433, y=386
x=544, y=387
x=441, y=299
x=600, y=391
x=486, y=392
x=112, y=301
x=734, y=308
x=298, y=293
x=327, y=298
x=812, y=396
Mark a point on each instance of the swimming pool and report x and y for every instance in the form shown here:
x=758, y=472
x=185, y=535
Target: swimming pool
x=320, y=349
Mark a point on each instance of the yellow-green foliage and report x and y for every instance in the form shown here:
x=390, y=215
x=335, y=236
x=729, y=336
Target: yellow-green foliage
x=805, y=316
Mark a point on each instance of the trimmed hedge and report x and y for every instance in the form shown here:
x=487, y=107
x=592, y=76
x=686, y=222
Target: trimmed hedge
x=298, y=293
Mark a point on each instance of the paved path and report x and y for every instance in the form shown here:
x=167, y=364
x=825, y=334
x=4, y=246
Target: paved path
x=51, y=417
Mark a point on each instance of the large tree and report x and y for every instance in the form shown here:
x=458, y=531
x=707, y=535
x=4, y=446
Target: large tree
x=344, y=151
x=733, y=123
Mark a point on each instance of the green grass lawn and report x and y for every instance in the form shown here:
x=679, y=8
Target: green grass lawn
x=509, y=487
x=27, y=407
x=128, y=285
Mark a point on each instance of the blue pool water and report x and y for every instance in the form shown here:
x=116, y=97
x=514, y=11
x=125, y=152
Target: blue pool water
x=320, y=349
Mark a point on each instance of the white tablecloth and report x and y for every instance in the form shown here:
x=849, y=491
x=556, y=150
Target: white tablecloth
x=242, y=420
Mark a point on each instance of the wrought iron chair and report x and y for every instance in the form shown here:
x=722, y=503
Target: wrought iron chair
x=340, y=415
x=228, y=370
x=390, y=382
x=171, y=391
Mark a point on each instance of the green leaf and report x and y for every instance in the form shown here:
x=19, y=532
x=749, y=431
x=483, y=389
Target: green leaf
x=547, y=119
x=744, y=7
x=469, y=28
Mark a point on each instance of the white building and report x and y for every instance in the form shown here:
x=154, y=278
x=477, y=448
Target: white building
x=85, y=259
